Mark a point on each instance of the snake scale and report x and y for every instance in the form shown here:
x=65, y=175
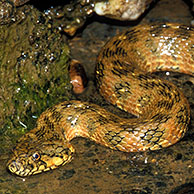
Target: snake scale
x=123, y=76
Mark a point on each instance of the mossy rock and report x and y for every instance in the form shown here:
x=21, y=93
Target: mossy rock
x=33, y=71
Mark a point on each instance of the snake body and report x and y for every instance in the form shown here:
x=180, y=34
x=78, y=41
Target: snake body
x=123, y=76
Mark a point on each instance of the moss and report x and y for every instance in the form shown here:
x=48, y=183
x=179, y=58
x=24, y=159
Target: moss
x=33, y=71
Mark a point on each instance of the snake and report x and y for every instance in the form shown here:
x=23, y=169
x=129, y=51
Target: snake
x=125, y=78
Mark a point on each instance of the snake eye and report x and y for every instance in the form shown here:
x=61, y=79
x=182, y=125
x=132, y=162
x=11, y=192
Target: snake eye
x=36, y=156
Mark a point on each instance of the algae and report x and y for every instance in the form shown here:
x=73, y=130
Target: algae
x=33, y=71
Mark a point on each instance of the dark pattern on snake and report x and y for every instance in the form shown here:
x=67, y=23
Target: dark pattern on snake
x=124, y=78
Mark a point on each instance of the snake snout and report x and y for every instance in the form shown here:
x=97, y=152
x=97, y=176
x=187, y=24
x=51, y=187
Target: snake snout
x=14, y=166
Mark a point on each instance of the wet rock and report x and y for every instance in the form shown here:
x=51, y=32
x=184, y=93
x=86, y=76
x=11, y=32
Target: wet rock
x=33, y=69
x=122, y=9
x=78, y=77
x=69, y=16
x=184, y=189
x=6, y=12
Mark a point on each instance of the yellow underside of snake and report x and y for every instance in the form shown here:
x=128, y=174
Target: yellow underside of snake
x=123, y=76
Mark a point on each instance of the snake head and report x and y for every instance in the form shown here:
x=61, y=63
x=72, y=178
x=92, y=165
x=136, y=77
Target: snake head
x=30, y=160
